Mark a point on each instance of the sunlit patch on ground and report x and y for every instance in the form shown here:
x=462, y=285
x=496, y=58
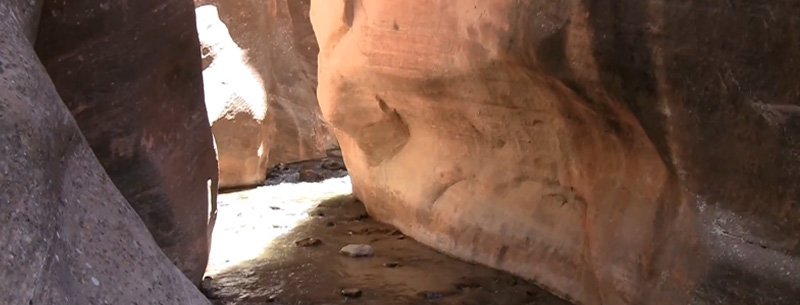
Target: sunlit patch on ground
x=248, y=221
x=262, y=252
x=266, y=264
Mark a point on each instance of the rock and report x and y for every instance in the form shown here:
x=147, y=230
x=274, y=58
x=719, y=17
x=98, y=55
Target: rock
x=259, y=61
x=332, y=165
x=351, y=293
x=335, y=153
x=630, y=151
x=209, y=291
x=391, y=265
x=68, y=235
x=357, y=250
x=308, y=242
x=397, y=234
x=139, y=103
x=309, y=175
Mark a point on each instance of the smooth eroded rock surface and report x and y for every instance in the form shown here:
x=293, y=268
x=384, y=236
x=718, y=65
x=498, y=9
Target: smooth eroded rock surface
x=130, y=75
x=259, y=60
x=616, y=152
x=68, y=235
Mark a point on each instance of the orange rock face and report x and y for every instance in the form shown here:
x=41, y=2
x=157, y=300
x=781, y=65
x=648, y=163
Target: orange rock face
x=590, y=146
x=259, y=75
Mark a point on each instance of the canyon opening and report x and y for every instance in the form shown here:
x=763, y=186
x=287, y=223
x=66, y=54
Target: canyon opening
x=464, y=152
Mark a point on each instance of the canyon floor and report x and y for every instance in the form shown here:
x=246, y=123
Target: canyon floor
x=279, y=244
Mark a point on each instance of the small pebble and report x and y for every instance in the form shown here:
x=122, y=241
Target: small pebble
x=308, y=242
x=351, y=293
x=357, y=250
x=397, y=234
x=332, y=165
x=391, y=265
x=272, y=298
x=207, y=289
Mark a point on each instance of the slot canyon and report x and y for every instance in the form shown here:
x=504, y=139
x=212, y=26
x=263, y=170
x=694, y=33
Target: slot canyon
x=587, y=152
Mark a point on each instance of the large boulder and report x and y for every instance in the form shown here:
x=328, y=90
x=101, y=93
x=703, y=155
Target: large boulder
x=136, y=93
x=615, y=151
x=68, y=235
x=260, y=82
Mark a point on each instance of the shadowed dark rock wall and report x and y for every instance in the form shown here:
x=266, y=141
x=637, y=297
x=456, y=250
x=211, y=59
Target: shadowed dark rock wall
x=714, y=84
x=130, y=73
x=67, y=234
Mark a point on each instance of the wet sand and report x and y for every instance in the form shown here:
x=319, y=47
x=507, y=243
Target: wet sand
x=255, y=258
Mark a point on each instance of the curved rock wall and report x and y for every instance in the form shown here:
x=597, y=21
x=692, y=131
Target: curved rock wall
x=260, y=80
x=617, y=152
x=68, y=235
x=135, y=89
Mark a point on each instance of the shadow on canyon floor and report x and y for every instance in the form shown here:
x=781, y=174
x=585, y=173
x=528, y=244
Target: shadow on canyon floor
x=256, y=258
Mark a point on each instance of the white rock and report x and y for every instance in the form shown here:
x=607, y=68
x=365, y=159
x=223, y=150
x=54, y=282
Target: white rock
x=357, y=250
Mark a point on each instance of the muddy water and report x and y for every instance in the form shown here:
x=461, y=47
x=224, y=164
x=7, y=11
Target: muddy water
x=255, y=259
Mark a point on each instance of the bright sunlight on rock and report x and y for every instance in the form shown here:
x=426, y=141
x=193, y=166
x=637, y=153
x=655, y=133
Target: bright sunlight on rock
x=259, y=61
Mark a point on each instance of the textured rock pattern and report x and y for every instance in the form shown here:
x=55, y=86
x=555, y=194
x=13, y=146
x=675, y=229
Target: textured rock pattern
x=260, y=80
x=615, y=151
x=129, y=73
x=68, y=236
